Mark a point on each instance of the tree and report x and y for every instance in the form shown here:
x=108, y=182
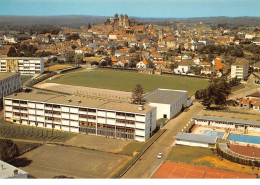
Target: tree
x=138, y=95
x=78, y=59
x=216, y=93
x=8, y=150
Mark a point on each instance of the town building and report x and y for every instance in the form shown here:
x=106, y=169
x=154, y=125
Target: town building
x=77, y=114
x=24, y=65
x=227, y=123
x=168, y=102
x=9, y=83
x=197, y=140
x=240, y=68
x=8, y=171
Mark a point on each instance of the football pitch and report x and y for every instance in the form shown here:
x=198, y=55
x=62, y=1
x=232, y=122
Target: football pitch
x=126, y=80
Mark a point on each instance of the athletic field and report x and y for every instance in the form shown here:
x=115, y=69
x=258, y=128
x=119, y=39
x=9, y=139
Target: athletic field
x=126, y=80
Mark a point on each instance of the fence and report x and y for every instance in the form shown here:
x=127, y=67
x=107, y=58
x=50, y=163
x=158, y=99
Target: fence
x=226, y=153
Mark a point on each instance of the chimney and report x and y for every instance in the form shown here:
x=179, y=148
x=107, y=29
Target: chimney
x=15, y=172
x=141, y=107
x=69, y=100
x=79, y=101
x=2, y=167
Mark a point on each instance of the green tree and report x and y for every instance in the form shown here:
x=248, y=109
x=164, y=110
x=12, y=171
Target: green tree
x=8, y=150
x=216, y=93
x=78, y=59
x=138, y=95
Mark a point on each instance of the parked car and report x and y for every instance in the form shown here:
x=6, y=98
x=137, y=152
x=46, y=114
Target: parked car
x=159, y=156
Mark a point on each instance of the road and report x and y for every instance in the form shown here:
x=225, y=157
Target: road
x=148, y=163
x=248, y=89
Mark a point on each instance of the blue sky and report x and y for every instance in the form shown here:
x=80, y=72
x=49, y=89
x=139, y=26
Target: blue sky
x=138, y=8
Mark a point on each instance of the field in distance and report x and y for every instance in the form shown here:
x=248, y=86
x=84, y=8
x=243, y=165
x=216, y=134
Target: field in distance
x=126, y=80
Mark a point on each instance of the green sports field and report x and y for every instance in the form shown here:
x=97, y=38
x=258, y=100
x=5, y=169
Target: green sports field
x=126, y=80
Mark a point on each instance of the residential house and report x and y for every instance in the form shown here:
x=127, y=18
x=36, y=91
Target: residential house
x=142, y=64
x=184, y=67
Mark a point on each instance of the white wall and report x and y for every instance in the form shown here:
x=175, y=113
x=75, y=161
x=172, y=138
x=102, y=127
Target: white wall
x=191, y=143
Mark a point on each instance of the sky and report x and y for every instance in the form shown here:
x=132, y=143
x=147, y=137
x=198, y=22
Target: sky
x=137, y=8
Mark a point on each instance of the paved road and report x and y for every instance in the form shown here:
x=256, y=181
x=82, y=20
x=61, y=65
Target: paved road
x=249, y=89
x=148, y=163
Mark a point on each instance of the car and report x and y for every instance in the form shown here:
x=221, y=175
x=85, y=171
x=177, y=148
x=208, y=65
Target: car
x=159, y=156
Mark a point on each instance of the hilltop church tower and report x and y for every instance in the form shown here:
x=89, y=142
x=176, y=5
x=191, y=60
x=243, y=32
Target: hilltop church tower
x=123, y=21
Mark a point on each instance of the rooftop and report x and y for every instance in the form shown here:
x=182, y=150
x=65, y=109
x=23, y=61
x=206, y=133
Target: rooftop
x=6, y=75
x=196, y=137
x=21, y=58
x=84, y=102
x=240, y=62
x=227, y=120
x=7, y=170
x=165, y=96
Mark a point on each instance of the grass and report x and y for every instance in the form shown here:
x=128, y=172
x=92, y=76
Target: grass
x=131, y=148
x=57, y=67
x=9, y=130
x=161, y=121
x=25, y=78
x=126, y=80
x=205, y=157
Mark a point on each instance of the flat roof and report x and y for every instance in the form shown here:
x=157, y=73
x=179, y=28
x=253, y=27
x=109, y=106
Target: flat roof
x=164, y=96
x=227, y=120
x=125, y=107
x=84, y=102
x=8, y=170
x=21, y=58
x=5, y=75
x=196, y=137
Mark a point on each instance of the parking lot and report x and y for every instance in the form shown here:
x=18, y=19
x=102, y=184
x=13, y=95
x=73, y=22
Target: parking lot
x=49, y=161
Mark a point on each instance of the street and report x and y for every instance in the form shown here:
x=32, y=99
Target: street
x=149, y=163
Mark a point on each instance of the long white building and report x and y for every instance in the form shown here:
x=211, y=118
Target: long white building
x=9, y=83
x=25, y=65
x=77, y=114
x=227, y=123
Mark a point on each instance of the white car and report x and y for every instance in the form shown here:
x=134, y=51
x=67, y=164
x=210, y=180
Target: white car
x=159, y=156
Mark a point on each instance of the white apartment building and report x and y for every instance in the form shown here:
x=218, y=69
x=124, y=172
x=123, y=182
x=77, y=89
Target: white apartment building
x=9, y=83
x=240, y=69
x=77, y=114
x=168, y=102
x=8, y=171
x=25, y=65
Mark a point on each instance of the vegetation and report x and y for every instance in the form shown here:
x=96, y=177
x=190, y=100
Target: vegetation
x=25, y=78
x=138, y=95
x=127, y=80
x=204, y=157
x=41, y=78
x=216, y=93
x=161, y=121
x=8, y=150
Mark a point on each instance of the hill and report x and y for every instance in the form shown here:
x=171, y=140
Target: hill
x=83, y=20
